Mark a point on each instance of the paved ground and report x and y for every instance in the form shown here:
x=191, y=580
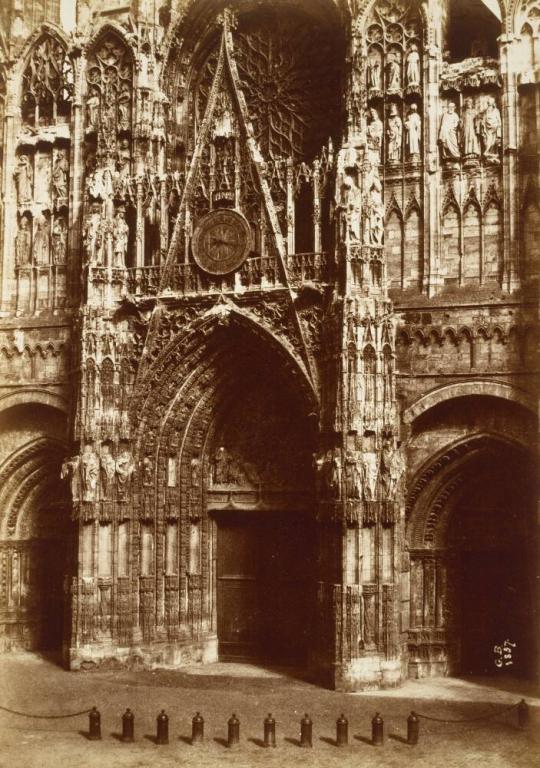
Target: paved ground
x=35, y=685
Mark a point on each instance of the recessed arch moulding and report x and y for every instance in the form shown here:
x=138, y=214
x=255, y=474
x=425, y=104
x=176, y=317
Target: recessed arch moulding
x=226, y=421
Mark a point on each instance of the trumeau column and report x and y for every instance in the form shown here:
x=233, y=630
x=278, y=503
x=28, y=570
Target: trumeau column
x=360, y=465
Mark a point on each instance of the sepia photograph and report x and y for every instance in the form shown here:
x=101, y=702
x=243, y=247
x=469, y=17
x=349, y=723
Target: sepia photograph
x=269, y=383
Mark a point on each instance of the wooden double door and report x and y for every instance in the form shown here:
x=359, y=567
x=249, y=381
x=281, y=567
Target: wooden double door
x=265, y=586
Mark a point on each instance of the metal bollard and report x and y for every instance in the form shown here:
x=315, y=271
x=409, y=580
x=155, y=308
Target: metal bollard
x=306, y=731
x=269, y=731
x=128, y=726
x=342, y=731
x=377, y=730
x=413, y=728
x=523, y=714
x=233, y=736
x=162, y=734
x=94, y=725
x=197, y=729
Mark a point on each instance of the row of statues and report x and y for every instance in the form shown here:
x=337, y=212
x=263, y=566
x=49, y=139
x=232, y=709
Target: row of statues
x=364, y=213
x=52, y=178
x=396, y=128
x=392, y=71
x=473, y=134
x=106, y=239
x=92, y=476
x=44, y=245
x=359, y=473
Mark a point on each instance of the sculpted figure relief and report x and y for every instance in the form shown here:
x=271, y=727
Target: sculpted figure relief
x=393, y=73
x=374, y=136
x=89, y=473
x=412, y=66
x=108, y=467
x=125, y=466
x=23, y=244
x=413, y=127
x=59, y=238
x=60, y=176
x=374, y=229
x=449, y=133
x=92, y=238
x=491, y=127
x=120, y=240
x=41, y=242
x=70, y=471
x=352, y=203
x=471, y=145
x=374, y=74
x=92, y=109
x=24, y=178
x=392, y=469
x=395, y=135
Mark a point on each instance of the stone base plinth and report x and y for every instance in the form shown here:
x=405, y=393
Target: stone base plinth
x=166, y=655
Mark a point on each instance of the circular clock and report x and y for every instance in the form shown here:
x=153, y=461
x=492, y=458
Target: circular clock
x=221, y=241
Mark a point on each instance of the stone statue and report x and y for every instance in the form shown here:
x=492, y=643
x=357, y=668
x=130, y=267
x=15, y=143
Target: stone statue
x=412, y=66
x=370, y=474
x=413, y=127
x=92, y=238
x=147, y=467
x=123, y=111
x=89, y=473
x=395, y=135
x=70, y=470
x=92, y=109
x=393, y=73
x=374, y=74
x=120, y=240
x=23, y=244
x=352, y=203
x=353, y=478
x=449, y=133
x=374, y=136
x=24, y=178
x=374, y=231
x=125, y=467
x=59, y=237
x=108, y=467
x=41, y=243
x=60, y=177
x=334, y=475
x=221, y=466
x=491, y=128
x=471, y=145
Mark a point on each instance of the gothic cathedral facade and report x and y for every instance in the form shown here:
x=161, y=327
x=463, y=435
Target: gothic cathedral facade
x=269, y=335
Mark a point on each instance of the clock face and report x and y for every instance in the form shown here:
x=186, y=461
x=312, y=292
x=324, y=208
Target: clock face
x=221, y=241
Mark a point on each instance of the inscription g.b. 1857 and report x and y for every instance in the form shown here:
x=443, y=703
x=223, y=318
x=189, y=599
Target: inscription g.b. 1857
x=222, y=241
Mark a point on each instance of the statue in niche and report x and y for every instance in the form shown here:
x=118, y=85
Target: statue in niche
x=92, y=109
x=334, y=475
x=120, y=240
x=374, y=229
x=392, y=469
x=92, y=238
x=24, y=179
x=413, y=128
x=374, y=136
x=108, y=467
x=124, y=160
x=70, y=470
x=374, y=74
x=449, y=133
x=59, y=241
x=352, y=203
x=125, y=467
x=89, y=473
x=195, y=472
x=123, y=111
x=42, y=241
x=221, y=466
x=491, y=130
x=369, y=620
x=353, y=477
x=60, y=176
x=395, y=135
x=23, y=244
x=470, y=128
x=370, y=474
x=393, y=73
x=412, y=66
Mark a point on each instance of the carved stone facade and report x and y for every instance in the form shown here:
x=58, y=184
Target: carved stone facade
x=269, y=336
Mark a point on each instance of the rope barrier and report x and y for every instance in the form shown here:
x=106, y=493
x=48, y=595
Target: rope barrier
x=469, y=719
x=44, y=717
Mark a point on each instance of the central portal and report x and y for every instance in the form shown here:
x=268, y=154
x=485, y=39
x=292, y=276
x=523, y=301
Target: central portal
x=264, y=584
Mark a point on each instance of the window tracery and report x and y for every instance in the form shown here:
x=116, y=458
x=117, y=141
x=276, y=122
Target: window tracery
x=47, y=85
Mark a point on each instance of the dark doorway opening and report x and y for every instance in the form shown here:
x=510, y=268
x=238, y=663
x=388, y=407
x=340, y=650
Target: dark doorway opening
x=264, y=586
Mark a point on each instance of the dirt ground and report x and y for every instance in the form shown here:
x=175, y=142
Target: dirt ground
x=35, y=685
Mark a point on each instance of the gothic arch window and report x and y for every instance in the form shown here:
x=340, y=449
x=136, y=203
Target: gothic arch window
x=47, y=84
